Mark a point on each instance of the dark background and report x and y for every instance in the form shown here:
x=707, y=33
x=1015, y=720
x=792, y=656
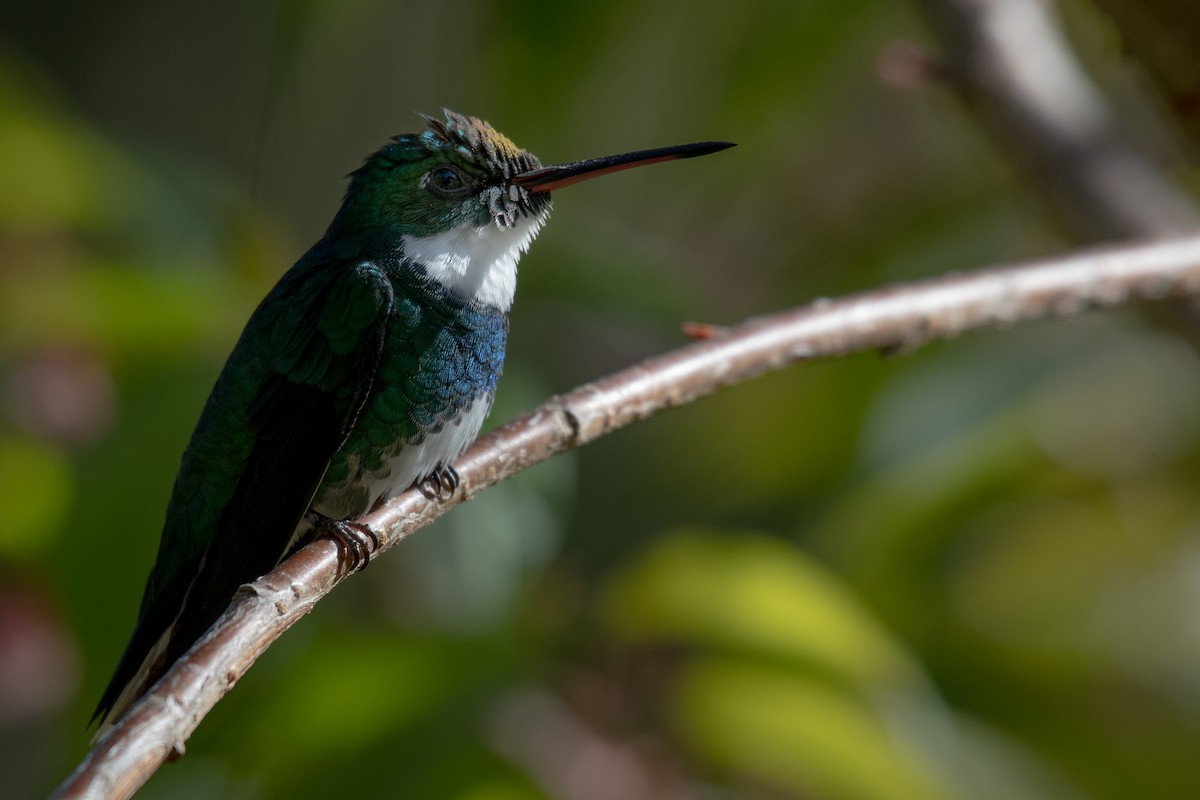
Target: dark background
x=970, y=572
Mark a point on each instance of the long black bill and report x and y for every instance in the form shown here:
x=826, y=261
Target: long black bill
x=548, y=179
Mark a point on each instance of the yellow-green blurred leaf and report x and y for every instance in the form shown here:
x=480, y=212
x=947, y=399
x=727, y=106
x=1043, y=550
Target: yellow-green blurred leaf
x=35, y=493
x=801, y=736
x=55, y=172
x=122, y=309
x=757, y=595
x=501, y=790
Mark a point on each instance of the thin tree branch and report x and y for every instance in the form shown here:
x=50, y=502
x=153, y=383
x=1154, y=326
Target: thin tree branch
x=895, y=318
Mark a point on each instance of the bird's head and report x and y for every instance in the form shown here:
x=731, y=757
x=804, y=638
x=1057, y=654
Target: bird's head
x=463, y=201
x=458, y=172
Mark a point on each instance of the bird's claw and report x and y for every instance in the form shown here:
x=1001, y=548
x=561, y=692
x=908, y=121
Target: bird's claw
x=355, y=540
x=440, y=484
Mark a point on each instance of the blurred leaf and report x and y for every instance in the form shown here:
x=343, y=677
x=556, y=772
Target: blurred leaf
x=122, y=310
x=806, y=738
x=497, y=790
x=1093, y=424
x=772, y=441
x=413, y=702
x=755, y=595
x=889, y=530
x=1027, y=574
x=55, y=173
x=320, y=700
x=36, y=487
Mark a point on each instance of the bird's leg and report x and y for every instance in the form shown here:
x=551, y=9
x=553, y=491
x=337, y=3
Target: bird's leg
x=440, y=484
x=355, y=540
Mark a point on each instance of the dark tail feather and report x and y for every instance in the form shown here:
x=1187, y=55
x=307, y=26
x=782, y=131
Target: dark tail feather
x=143, y=662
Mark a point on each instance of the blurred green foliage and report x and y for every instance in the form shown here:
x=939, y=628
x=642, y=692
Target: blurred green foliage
x=964, y=573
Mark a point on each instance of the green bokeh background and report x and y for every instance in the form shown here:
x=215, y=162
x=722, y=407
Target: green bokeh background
x=970, y=572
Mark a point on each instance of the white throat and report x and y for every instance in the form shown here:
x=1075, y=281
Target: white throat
x=477, y=264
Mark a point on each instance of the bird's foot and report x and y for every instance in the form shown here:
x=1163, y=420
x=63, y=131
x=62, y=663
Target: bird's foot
x=440, y=484
x=355, y=540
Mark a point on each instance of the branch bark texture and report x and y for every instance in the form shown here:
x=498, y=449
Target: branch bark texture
x=891, y=319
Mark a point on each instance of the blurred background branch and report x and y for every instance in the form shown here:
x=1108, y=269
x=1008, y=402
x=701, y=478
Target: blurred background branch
x=1011, y=62
x=1103, y=167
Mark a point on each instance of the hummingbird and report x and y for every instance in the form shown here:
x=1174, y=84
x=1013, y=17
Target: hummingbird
x=368, y=368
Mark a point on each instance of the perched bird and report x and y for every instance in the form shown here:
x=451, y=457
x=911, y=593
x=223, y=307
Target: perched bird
x=369, y=367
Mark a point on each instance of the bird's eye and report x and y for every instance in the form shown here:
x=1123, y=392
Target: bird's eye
x=447, y=182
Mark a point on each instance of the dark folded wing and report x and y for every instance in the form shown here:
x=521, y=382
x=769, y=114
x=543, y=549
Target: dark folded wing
x=282, y=406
